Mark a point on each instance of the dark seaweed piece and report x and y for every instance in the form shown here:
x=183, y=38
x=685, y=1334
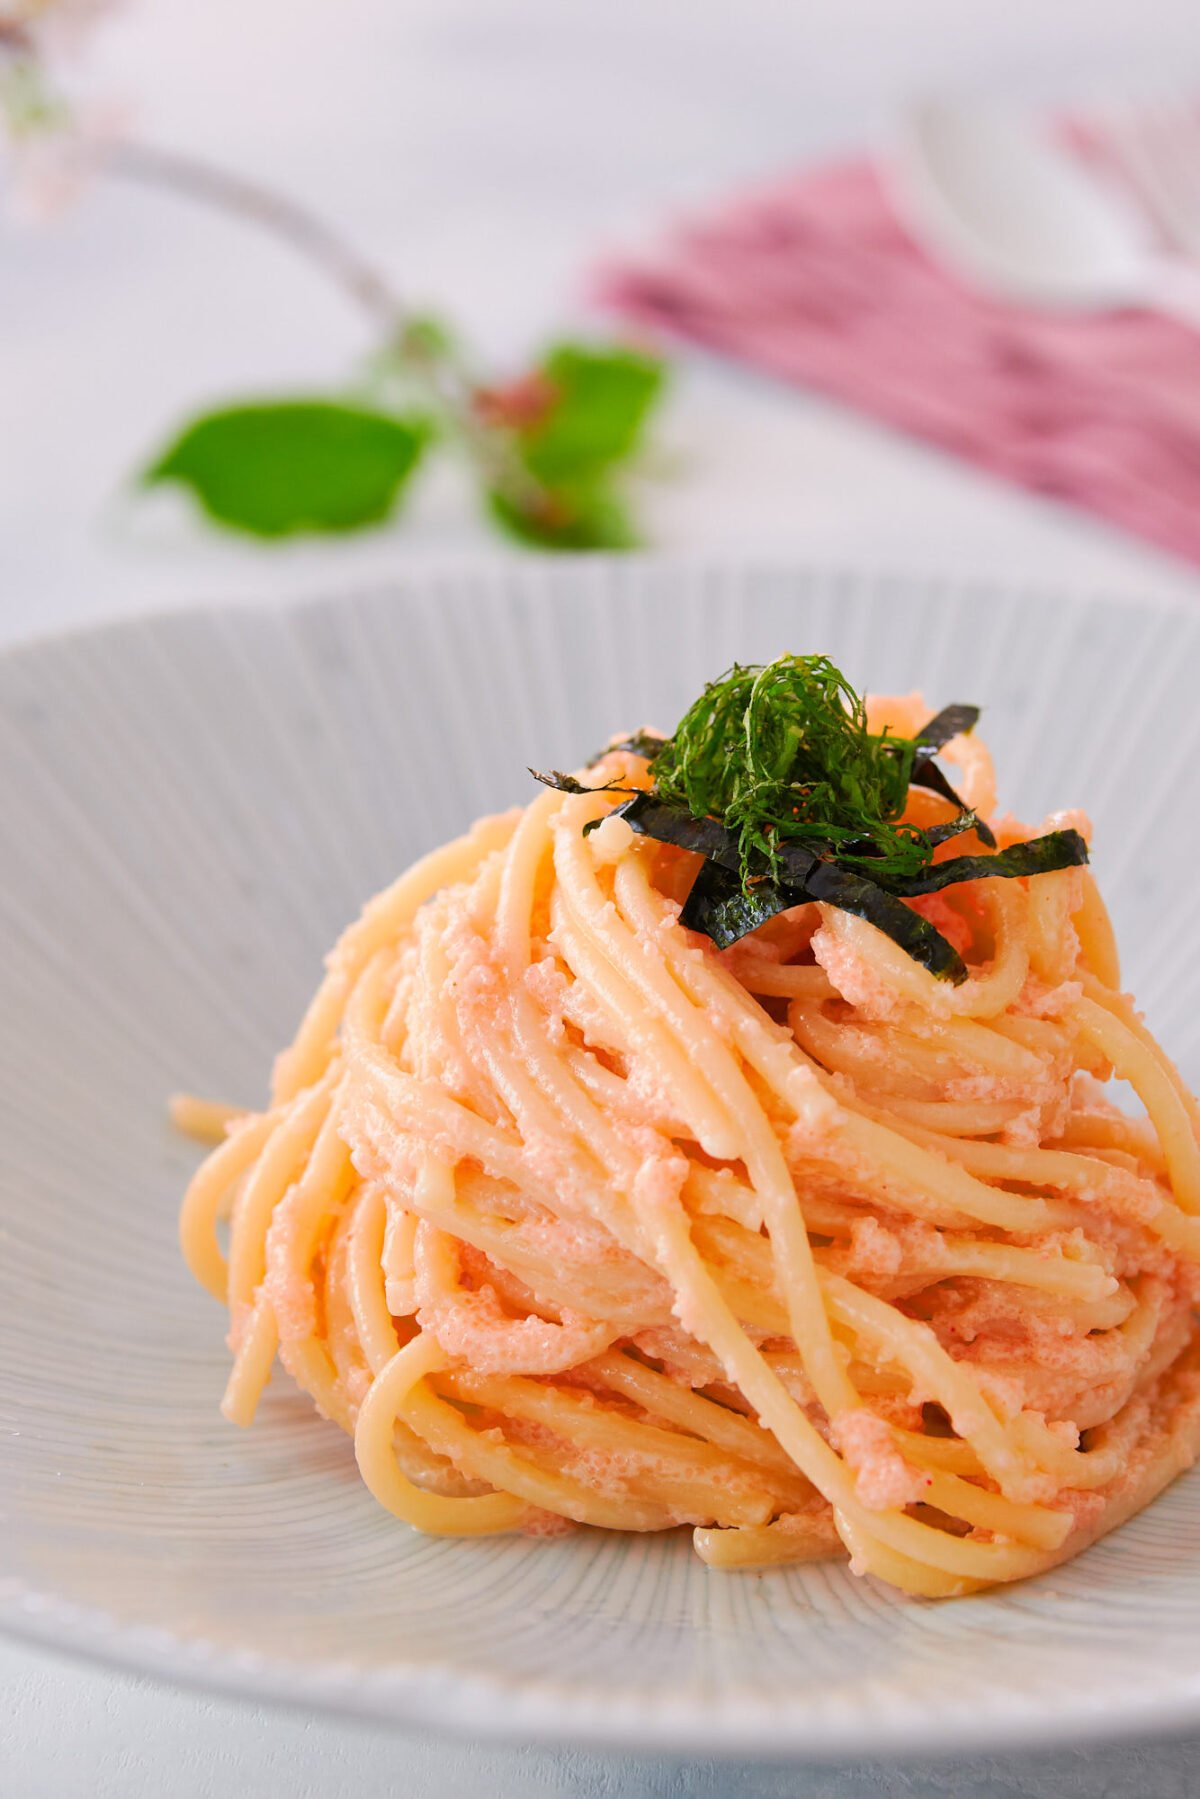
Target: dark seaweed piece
x=808, y=877
x=553, y=777
x=708, y=837
x=1038, y=856
x=951, y=721
x=853, y=892
x=720, y=907
x=723, y=910
x=927, y=774
x=711, y=839
x=640, y=743
x=796, y=859
x=954, y=827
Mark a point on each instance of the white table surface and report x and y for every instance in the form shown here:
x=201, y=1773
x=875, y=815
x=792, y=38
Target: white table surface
x=486, y=152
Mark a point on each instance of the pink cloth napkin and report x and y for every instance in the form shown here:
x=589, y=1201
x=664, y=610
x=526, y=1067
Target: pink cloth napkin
x=815, y=280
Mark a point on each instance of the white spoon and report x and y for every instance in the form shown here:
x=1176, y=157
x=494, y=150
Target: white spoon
x=1003, y=206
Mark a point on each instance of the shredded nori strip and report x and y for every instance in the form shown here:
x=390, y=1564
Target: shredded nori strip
x=553, y=777
x=724, y=911
x=957, y=827
x=708, y=837
x=852, y=892
x=951, y=721
x=641, y=743
x=927, y=774
x=1038, y=856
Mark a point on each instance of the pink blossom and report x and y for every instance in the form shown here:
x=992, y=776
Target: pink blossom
x=48, y=169
x=54, y=145
x=51, y=28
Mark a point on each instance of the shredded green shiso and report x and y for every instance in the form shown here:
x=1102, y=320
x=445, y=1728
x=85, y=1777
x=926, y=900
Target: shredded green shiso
x=783, y=754
x=773, y=777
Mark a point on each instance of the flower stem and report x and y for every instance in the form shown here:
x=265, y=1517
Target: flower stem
x=436, y=371
x=284, y=218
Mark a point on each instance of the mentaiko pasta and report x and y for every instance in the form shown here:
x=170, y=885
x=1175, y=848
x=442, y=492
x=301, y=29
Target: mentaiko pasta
x=572, y=1218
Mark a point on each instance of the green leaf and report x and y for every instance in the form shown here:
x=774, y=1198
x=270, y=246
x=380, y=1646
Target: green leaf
x=602, y=399
x=589, y=519
x=279, y=468
x=570, y=423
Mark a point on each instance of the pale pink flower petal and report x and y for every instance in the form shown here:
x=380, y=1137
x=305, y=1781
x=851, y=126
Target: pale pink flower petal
x=54, y=27
x=48, y=170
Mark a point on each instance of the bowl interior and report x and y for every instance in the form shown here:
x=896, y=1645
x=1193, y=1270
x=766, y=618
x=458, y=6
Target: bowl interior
x=193, y=807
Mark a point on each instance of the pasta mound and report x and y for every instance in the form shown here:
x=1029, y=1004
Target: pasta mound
x=571, y=1219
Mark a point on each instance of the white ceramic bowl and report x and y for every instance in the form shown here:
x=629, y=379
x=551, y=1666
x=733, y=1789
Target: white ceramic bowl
x=191, y=807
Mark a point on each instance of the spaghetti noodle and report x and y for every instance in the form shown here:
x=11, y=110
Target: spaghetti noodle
x=573, y=1219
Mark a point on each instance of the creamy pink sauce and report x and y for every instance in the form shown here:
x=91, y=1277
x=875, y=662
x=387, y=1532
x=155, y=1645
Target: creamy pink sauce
x=474, y=1326
x=946, y=918
x=882, y=1477
x=859, y=981
x=1023, y=1351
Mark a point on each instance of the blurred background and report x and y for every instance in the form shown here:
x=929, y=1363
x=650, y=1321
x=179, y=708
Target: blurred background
x=492, y=156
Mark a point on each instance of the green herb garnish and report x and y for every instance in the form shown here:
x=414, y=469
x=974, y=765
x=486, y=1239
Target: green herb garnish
x=783, y=754
x=774, y=778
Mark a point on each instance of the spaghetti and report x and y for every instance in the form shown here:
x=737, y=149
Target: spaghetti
x=573, y=1219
